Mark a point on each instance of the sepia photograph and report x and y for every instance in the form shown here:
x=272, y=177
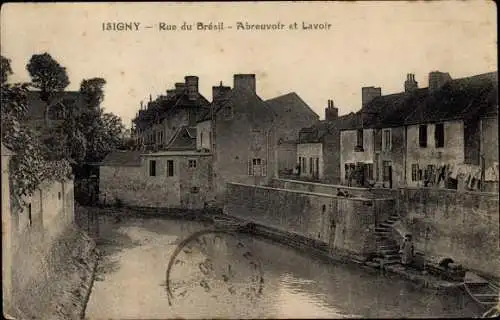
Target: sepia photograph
x=250, y=160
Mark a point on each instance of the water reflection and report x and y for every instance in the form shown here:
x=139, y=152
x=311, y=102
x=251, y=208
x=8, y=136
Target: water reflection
x=215, y=278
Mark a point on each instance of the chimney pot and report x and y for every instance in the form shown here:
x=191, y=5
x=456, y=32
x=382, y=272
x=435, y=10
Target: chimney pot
x=331, y=113
x=410, y=83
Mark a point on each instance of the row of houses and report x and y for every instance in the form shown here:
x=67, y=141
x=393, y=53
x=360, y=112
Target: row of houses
x=188, y=148
x=444, y=135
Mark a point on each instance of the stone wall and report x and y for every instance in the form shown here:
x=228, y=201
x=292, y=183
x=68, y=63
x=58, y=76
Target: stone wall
x=36, y=248
x=463, y=226
x=132, y=185
x=344, y=224
x=332, y=189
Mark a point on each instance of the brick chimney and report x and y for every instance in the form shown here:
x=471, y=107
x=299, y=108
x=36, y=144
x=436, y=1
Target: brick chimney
x=192, y=87
x=369, y=93
x=219, y=91
x=438, y=79
x=331, y=113
x=245, y=82
x=180, y=88
x=410, y=84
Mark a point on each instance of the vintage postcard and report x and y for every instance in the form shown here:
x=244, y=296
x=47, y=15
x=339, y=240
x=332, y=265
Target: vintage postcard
x=323, y=159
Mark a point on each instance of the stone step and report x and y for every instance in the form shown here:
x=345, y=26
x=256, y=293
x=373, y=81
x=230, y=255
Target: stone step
x=389, y=252
x=387, y=247
x=385, y=225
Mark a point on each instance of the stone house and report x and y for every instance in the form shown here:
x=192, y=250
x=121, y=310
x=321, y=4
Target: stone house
x=318, y=150
x=159, y=121
x=390, y=146
x=240, y=131
x=292, y=114
x=179, y=177
x=452, y=135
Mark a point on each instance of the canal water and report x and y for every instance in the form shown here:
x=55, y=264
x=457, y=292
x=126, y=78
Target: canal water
x=219, y=275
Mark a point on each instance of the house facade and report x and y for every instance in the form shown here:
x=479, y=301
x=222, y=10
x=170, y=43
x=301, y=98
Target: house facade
x=318, y=150
x=243, y=135
x=159, y=120
x=429, y=137
x=165, y=179
x=292, y=114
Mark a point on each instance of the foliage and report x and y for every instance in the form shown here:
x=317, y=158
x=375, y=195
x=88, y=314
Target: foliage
x=6, y=69
x=28, y=166
x=93, y=92
x=104, y=136
x=48, y=76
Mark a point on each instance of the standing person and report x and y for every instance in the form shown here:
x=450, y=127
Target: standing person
x=407, y=251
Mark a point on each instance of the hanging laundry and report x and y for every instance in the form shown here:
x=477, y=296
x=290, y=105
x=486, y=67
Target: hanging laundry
x=492, y=173
x=455, y=171
x=441, y=172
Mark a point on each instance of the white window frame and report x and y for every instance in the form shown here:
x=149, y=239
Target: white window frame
x=257, y=167
x=191, y=162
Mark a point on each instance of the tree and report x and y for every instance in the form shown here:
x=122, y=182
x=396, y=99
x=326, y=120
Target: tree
x=48, y=76
x=104, y=136
x=93, y=92
x=6, y=70
x=28, y=166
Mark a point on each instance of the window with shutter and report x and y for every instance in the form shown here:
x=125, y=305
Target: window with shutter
x=264, y=168
x=422, y=135
x=250, y=168
x=439, y=135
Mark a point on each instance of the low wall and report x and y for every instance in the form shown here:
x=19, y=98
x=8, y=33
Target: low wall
x=342, y=223
x=41, y=242
x=373, y=193
x=461, y=225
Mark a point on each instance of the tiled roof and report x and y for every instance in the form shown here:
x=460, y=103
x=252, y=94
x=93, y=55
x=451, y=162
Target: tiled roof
x=184, y=139
x=459, y=99
x=392, y=110
x=122, y=159
x=463, y=98
x=162, y=108
x=246, y=100
x=290, y=100
x=316, y=133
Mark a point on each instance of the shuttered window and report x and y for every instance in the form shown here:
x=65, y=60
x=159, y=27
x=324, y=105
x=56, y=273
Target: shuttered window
x=439, y=135
x=422, y=135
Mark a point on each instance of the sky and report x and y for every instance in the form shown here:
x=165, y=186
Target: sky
x=368, y=44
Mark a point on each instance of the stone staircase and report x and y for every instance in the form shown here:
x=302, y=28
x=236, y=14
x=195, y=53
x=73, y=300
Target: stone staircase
x=387, y=247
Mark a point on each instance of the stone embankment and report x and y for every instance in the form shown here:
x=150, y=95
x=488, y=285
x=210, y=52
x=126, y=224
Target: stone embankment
x=65, y=292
